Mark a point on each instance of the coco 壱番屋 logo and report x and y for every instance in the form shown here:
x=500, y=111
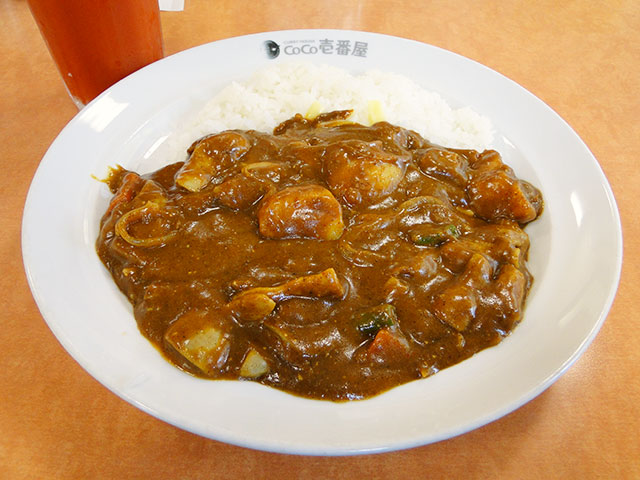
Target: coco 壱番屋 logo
x=325, y=46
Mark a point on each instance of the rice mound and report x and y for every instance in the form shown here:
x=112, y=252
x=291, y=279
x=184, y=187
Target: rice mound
x=276, y=93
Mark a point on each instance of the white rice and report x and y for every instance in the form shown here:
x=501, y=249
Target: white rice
x=278, y=92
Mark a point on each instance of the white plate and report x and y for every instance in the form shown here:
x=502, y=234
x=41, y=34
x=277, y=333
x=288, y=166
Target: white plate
x=575, y=257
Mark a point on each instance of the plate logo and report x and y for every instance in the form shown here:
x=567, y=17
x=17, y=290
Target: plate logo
x=272, y=48
x=327, y=46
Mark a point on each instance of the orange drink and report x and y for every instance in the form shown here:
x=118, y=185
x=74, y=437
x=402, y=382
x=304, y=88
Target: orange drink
x=95, y=43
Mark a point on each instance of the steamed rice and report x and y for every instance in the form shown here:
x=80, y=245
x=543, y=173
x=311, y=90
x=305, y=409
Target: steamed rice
x=278, y=92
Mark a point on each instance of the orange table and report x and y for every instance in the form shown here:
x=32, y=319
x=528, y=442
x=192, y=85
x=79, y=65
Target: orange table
x=582, y=58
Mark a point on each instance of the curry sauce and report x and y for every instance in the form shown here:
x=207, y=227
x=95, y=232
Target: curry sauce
x=328, y=259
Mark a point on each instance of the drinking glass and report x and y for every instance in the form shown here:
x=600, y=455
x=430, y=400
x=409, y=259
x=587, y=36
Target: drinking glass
x=95, y=43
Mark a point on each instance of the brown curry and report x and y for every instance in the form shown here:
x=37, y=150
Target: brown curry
x=328, y=259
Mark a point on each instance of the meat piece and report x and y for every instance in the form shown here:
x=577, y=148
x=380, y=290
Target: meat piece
x=478, y=271
x=511, y=287
x=428, y=209
x=508, y=232
x=360, y=173
x=308, y=211
x=239, y=192
x=257, y=303
x=319, y=285
x=497, y=194
x=485, y=161
x=422, y=264
x=210, y=157
x=456, y=306
x=456, y=254
x=369, y=239
x=443, y=163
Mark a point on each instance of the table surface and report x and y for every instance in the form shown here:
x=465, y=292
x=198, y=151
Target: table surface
x=582, y=58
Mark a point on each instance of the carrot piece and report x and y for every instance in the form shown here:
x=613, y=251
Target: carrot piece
x=129, y=187
x=388, y=346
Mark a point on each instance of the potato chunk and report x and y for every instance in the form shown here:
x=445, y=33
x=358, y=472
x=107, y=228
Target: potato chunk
x=254, y=365
x=210, y=157
x=252, y=306
x=307, y=211
x=361, y=173
x=199, y=340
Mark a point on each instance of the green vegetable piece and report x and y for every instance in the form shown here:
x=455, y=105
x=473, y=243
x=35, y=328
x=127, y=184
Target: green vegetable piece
x=377, y=318
x=436, y=238
x=453, y=231
x=429, y=240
